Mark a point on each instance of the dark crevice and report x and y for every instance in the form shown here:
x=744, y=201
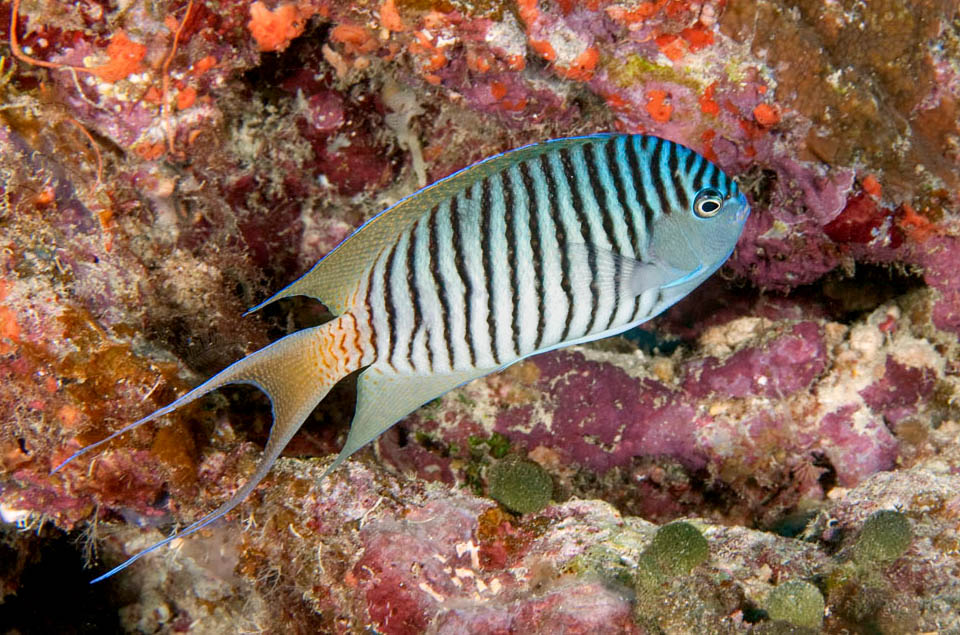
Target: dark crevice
x=274, y=68
x=48, y=589
x=850, y=297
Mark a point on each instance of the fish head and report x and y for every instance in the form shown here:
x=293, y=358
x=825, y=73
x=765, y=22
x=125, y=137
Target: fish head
x=699, y=237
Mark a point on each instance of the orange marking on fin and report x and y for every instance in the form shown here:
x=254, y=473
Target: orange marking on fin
x=339, y=338
x=356, y=336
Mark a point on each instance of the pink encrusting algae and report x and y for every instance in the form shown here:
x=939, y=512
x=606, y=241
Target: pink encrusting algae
x=163, y=167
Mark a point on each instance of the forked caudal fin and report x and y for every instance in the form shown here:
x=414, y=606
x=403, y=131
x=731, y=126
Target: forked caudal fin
x=296, y=372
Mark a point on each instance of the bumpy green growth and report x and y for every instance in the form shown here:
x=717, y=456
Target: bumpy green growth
x=676, y=549
x=885, y=536
x=520, y=485
x=796, y=602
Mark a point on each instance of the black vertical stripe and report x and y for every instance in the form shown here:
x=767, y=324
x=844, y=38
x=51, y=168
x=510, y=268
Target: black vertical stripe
x=570, y=174
x=590, y=159
x=599, y=195
x=697, y=179
x=679, y=188
x=635, y=166
x=636, y=305
x=536, y=249
x=462, y=275
x=486, y=255
x=413, y=284
x=688, y=158
x=618, y=184
x=390, y=304
x=436, y=276
x=717, y=177
x=562, y=245
x=594, y=288
x=659, y=179
x=513, y=267
x=723, y=183
x=616, y=291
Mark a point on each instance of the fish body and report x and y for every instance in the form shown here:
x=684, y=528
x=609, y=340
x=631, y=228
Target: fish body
x=552, y=244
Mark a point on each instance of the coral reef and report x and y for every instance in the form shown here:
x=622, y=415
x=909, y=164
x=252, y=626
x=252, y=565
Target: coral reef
x=164, y=166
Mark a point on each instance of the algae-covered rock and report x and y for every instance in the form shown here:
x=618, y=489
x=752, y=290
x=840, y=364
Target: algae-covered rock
x=520, y=485
x=886, y=534
x=677, y=548
x=796, y=602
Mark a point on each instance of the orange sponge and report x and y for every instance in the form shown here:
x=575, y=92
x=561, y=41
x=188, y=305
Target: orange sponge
x=125, y=57
x=273, y=30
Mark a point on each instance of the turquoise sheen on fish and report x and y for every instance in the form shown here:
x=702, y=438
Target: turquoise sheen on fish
x=548, y=245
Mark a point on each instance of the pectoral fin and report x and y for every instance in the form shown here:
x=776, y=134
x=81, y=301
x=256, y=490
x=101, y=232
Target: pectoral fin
x=639, y=275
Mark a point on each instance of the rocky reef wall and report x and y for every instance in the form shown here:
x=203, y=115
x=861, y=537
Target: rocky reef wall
x=165, y=165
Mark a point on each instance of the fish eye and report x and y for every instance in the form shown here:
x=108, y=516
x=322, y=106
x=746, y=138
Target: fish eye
x=708, y=203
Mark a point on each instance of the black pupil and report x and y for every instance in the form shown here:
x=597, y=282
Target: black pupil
x=708, y=207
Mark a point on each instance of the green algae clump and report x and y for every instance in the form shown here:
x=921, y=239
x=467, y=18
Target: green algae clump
x=886, y=534
x=798, y=603
x=675, y=550
x=520, y=485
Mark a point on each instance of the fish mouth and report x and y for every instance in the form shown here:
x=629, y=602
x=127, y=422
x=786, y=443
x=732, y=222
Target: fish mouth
x=743, y=208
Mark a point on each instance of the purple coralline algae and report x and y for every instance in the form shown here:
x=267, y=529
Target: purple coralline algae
x=165, y=166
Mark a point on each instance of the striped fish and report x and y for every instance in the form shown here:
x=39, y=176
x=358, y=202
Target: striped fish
x=544, y=246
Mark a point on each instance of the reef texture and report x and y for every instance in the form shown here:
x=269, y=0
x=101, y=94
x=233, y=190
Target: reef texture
x=164, y=166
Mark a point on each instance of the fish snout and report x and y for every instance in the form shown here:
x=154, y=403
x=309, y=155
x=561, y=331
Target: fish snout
x=742, y=207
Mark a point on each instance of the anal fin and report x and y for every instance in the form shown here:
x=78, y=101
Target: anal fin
x=383, y=398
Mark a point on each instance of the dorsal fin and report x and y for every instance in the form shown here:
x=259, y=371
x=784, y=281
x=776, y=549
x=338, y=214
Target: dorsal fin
x=334, y=278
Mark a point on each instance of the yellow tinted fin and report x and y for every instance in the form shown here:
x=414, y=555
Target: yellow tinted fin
x=295, y=372
x=334, y=278
x=384, y=398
